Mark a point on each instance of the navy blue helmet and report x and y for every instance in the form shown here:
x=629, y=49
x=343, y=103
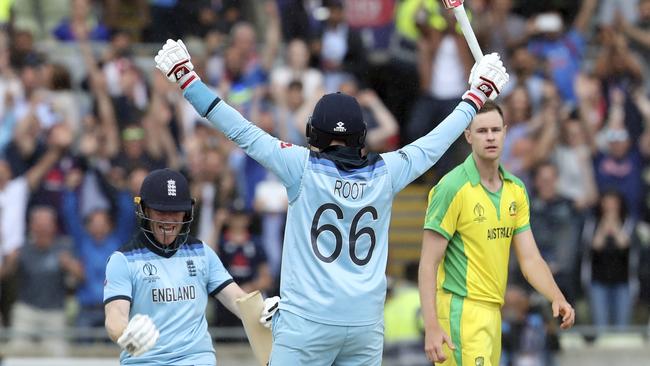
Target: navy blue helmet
x=336, y=116
x=165, y=190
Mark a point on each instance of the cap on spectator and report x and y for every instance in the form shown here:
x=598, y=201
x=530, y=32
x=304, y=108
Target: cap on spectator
x=616, y=135
x=133, y=133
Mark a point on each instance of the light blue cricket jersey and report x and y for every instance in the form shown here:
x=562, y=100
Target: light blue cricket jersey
x=336, y=237
x=173, y=290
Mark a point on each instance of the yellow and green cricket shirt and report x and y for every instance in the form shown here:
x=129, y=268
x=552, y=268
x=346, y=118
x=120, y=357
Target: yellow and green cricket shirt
x=479, y=225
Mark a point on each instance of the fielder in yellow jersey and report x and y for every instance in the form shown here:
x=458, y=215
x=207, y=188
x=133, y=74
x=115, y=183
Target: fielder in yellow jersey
x=475, y=213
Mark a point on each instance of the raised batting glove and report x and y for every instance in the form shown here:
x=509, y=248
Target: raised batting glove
x=174, y=61
x=139, y=336
x=486, y=80
x=270, y=308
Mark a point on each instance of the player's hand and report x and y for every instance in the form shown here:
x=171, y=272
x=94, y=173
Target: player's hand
x=487, y=79
x=433, y=341
x=139, y=336
x=174, y=61
x=270, y=308
x=565, y=310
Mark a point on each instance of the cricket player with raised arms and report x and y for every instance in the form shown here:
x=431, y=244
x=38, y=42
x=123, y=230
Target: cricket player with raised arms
x=333, y=283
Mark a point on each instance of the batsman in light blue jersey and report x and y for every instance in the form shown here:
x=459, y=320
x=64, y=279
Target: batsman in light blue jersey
x=157, y=286
x=335, y=250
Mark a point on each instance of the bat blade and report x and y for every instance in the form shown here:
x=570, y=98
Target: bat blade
x=466, y=27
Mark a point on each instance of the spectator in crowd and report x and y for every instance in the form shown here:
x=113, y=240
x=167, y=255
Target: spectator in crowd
x=81, y=16
x=293, y=110
x=339, y=49
x=503, y=29
x=619, y=167
x=606, y=263
x=41, y=267
x=620, y=73
x=14, y=196
x=296, y=68
x=555, y=216
x=524, y=67
x=565, y=140
x=212, y=185
x=637, y=32
x=244, y=258
x=95, y=236
x=561, y=50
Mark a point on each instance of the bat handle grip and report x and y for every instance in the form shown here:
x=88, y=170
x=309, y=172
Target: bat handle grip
x=468, y=32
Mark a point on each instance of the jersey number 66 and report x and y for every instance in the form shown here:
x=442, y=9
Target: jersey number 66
x=353, y=237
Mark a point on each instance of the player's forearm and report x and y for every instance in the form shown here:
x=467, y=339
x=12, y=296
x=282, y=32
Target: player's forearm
x=433, y=250
x=539, y=275
x=228, y=297
x=117, y=318
x=427, y=286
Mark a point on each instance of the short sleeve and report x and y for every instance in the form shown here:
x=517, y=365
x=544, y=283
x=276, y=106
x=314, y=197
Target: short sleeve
x=117, y=284
x=522, y=222
x=443, y=210
x=218, y=276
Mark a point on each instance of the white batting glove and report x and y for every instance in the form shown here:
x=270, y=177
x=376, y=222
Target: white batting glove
x=174, y=61
x=139, y=336
x=487, y=79
x=270, y=308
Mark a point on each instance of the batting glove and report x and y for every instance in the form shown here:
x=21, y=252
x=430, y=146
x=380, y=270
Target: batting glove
x=486, y=80
x=174, y=61
x=139, y=336
x=270, y=308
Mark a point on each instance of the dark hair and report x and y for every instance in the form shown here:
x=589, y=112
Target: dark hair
x=60, y=78
x=622, y=211
x=295, y=84
x=490, y=106
x=543, y=164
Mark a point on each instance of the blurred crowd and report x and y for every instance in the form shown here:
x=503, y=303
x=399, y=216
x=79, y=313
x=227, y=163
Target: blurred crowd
x=84, y=116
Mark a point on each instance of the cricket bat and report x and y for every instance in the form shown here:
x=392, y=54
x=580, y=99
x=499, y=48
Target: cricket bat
x=461, y=17
x=260, y=338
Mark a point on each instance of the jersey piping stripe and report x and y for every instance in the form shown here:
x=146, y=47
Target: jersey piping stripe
x=184, y=251
x=221, y=287
x=326, y=162
x=118, y=297
x=363, y=176
x=455, y=318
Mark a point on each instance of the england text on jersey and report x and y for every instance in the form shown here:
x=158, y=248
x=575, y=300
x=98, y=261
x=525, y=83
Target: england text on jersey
x=173, y=294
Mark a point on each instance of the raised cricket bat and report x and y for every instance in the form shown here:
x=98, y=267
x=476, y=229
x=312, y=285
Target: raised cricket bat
x=468, y=32
x=260, y=338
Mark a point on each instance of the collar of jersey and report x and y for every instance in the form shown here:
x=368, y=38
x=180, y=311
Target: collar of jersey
x=345, y=157
x=472, y=171
x=152, y=248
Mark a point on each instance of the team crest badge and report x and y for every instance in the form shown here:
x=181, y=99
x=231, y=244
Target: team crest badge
x=479, y=212
x=171, y=187
x=191, y=268
x=478, y=361
x=512, y=210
